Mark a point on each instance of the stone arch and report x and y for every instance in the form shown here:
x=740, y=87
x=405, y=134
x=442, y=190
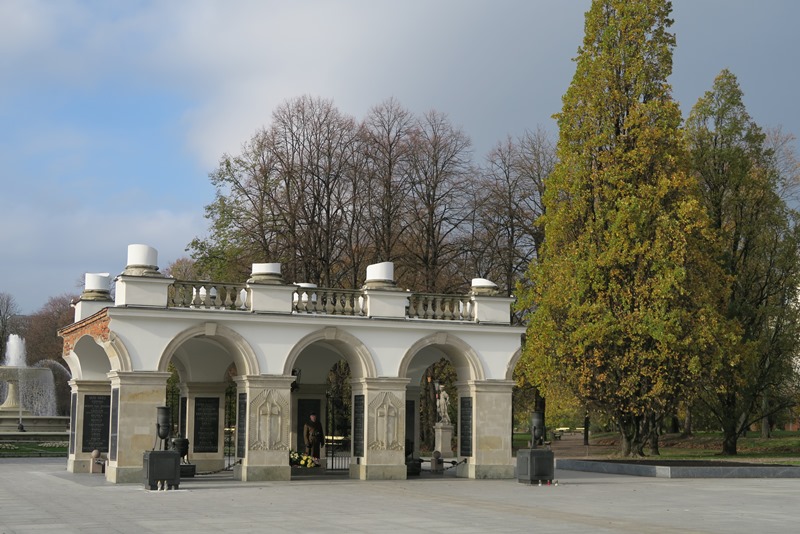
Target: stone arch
x=118, y=353
x=92, y=358
x=512, y=364
x=240, y=350
x=353, y=350
x=460, y=353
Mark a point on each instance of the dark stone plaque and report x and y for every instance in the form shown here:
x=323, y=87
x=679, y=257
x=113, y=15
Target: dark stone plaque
x=112, y=449
x=182, y=418
x=206, y=424
x=358, y=425
x=73, y=416
x=465, y=427
x=241, y=426
x=96, y=422
x=411, y=412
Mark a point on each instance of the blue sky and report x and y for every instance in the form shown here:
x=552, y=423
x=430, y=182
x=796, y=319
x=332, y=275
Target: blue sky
x=114, y=112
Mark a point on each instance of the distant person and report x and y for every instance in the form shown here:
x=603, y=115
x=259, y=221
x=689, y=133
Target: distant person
x=313, y=436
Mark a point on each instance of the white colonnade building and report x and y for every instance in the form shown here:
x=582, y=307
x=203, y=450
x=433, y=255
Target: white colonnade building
x=265, y=332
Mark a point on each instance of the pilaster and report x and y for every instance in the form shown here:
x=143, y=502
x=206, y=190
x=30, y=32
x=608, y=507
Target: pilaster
x=263, y=426
x=380, y=455
x=489, y=426
x=134, y=399
x=86, y=435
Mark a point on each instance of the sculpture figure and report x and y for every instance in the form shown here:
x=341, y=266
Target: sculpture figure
x=443, y=405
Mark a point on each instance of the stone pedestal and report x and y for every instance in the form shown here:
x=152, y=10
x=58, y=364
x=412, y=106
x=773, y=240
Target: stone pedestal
x=443, y=439
x=535, y=465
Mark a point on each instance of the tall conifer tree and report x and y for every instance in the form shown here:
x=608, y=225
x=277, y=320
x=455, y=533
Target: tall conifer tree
x=621, y=285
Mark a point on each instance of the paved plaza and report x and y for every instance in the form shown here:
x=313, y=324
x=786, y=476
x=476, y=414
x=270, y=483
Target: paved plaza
x=39, y=495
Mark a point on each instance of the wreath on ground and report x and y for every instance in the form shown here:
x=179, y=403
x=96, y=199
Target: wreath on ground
x=297, y=459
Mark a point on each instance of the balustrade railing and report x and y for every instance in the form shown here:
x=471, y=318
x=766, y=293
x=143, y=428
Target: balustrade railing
x=320, y=300
x=440, y=307
x=207, y=295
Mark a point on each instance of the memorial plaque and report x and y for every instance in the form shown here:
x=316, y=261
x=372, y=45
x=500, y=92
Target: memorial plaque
x=112, y=449
x=358, y=425
x=411, y=412
x=96, y=422
x=241, y=426
x=182, y=418
x=465, y=427
x=206, y=424
x=73, y=422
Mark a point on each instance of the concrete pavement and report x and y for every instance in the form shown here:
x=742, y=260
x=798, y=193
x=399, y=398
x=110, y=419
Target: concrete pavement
x=39, y=496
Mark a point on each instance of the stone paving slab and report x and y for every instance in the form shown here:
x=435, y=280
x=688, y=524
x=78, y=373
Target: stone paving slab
x=39, y=496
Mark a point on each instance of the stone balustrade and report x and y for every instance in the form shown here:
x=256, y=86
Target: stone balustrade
x=142, y=285
x=440, y=307
x=207, y=295
x=204, y=295
x=325, y=301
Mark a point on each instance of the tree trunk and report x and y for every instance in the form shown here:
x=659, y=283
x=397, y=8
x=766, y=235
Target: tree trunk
x=674, y=424
x=765, y=430
x=631, y=438
x=586, y=429
x=655, y=424
x=687, y=423
x=729, y=439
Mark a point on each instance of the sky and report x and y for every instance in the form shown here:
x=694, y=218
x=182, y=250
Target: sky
x=113, y=113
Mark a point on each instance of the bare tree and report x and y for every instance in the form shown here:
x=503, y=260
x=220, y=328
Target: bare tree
x=386, y=134
x=439, y=202
x=507, y=205
x=313, y=145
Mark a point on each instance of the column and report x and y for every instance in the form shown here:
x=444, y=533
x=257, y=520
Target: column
x=379, y=415
x=134, y=399
x=89, y=424
x=205, y=424
x=484, y=429
x=263, y=427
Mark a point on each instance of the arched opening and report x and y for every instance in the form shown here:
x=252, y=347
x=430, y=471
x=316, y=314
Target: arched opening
x=201, y=392
x=324, y=363
x=439, y=366
x=88, y=360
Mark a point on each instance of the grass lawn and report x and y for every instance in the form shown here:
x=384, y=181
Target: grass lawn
x=783, y=447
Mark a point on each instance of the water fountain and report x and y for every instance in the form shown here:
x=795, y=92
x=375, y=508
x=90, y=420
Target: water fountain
x=30, y=395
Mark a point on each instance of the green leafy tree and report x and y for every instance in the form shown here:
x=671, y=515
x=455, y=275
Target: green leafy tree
x=621, y=293
x=743, y=181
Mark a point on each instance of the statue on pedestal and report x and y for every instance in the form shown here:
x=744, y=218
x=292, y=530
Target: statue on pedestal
x=443, y=405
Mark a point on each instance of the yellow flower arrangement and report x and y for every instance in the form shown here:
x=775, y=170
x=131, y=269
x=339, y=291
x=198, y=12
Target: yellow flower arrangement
x=297, y=459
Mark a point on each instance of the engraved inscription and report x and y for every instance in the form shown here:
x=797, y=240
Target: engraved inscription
x=96, y=423
x=206, y=424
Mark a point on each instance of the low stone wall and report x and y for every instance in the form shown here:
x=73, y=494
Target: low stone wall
x=684, y=470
